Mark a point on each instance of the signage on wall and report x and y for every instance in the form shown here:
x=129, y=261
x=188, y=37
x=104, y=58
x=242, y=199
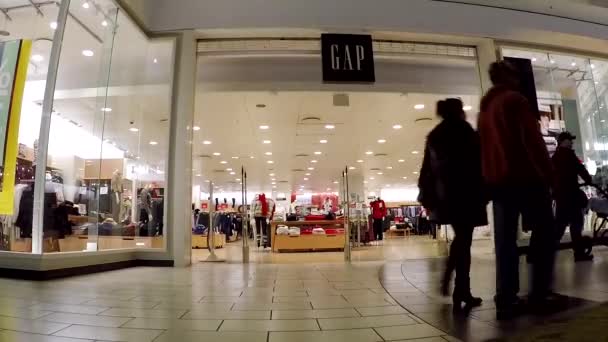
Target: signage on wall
x=347, y=58
x=14, y=58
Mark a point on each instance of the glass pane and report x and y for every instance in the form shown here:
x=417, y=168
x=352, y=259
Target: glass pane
x=24, y=23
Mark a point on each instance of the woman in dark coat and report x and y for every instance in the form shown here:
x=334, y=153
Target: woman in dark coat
x=451, y=188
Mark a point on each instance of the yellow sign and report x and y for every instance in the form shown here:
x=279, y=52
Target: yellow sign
x=14, y=60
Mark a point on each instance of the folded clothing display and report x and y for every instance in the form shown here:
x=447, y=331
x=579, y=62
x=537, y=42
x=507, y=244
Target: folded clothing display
x=306, y=231
x=334, y=231
x=294, y=231
x=318, y=231
x=282, y=230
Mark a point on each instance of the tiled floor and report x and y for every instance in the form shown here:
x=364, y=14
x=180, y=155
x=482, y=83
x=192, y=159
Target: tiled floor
x=361, y=302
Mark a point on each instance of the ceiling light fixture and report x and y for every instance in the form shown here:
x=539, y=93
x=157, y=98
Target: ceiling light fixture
x=270, y=162
x=397, y=127
x=372, y=178
x=573, y=63
x=552, y=61
x=415, y=172
x=389, y=167
x=223, y=162
x=369, y=153
x=106, y=109
x=323, y=141
x=313, y=161
x=328, y=189
x=307, y=174
x=235, y=157
x=233, y=173
x=206, y=142
x=104, y=23
x=419, y=106
x=268, y=153
x=336, y=182
x=53, y=25
x=217, y=154
x=467, y=108
x=264, y=127
x=352, y=168
x=533, y=59
x=134, y=129
x=266, y=142
x=88, y=53
x=153, y=143
x=86, y=5
x=381, y=141
x=196, y=128
x=401, y=160
x=318, y=153
x=155, y=61
x=37, y=58
x=359, y=161
x=380, y=173
x=271, y=175
x=305, y=179
x=311, y=168
x=592, y=66
x=330, y=126
x=415, y=152
x=404, y=177
x=228, y=169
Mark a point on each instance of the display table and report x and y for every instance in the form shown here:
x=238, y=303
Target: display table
x=200, y=241
x=311, y=242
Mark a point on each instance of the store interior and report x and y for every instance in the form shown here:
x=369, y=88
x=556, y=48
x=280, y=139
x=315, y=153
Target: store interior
x=108, y=138
x=295, y=142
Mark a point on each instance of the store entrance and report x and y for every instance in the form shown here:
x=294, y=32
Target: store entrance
x=322, y=160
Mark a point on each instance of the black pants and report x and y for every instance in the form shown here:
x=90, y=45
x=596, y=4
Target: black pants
x=261, y=229
x=460, y=259
x=378, y=229
x=569, y=215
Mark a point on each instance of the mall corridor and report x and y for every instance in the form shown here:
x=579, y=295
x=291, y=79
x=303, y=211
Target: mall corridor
x=361, y=302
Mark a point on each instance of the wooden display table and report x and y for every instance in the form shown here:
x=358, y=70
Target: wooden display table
x=306, y=242
x=200, y=241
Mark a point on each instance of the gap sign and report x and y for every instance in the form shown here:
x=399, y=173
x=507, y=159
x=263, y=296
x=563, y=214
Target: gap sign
x=347, y=58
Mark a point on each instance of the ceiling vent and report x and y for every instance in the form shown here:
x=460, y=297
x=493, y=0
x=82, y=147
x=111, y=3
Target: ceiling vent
x=297, y=170
x=310, y=119
x=204, y=156
x=380, y=155
x=283, y=181
x=219, y=171
x=375, y=169
x=423, y=119
x=302, y=155
x=341, y=100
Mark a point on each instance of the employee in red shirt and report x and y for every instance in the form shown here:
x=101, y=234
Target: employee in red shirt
x=378, y=213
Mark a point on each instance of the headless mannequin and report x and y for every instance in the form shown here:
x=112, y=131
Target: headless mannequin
x=116, y=200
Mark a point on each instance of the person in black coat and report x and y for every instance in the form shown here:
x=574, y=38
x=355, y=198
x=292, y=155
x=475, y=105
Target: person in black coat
x=451, y=188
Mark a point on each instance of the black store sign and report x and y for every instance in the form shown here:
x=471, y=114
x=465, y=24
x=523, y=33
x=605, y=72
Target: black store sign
x=347, y=58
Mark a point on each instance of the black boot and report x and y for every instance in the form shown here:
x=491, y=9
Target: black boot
x=468, y=300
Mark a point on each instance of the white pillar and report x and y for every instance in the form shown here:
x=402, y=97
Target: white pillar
x=179, y=189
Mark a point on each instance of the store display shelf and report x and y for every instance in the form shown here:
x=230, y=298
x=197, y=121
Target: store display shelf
x=312, y=242
x=200, y=241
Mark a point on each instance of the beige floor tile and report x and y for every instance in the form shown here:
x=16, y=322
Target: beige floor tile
x=358, y=335
x=365, y=322
x=173, y=324
x=15, y=336
x=381, y=310
x=208, y=336
x=122, y=303
x=285, y=299
x=271, y=306
x=254, y=314
x=94, y=320
x=408, y=332
x=450, y=338
x=153, y=313
x=371, y=302
x=303, y=314
x=78, y=309
x=30, y=326
x=220, y=299
x=270, y=325
x=23, y=313
x=428, y=339
x=109, y=334
x=223, y=306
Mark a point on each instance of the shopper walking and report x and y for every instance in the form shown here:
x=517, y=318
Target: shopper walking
x=570, y=200
x=517, y=171
x=451, y=188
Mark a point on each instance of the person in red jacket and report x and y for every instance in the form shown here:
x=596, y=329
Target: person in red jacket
x=378, y=213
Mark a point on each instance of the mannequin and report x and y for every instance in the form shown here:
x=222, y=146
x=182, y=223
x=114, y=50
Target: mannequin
x=116, y=200
x=378, y=213
x=145, y=209
x=327, y=205
x=263, y=209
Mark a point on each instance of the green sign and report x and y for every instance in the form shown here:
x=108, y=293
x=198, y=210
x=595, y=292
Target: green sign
x=9, y=57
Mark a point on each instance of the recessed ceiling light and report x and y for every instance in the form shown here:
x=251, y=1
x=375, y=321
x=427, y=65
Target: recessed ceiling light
x=271, y=175
x=352, y=168
x=573, y=63
x=270, y=162
x=196, y=128
x=88, y=53
x=274, y=186
x=206, y=181
x=106, y=109
x=311, y=168
x=404, y=177
x=552, y=61
x=223, y=162
x=336, y=182
x=153, y=143
x=415, y=152
x=323, y=141
x=380, y=173
x=237, y=179
x=264, y=127
x=217, y=154
x=415, y=172
x=53, y=25
x=198, y=175
x=592, y=66
x=330, y=126
x=372, y=178
x=86, y=5
x=467, y=108
x=419, y=106
x=318, y=153
x=251, y=157
x=206, y=142
x=387, y=185
x=268, y=153
x=235, y=157
x=273, y=183
x=307, y=173
x=401, y=160
x=397, y=127
x=134, y=129
x=369, y=153
x=328, y=189
x=305, y=179
x=273, y=179
x=381, y=141
x=389, y=167
x=104, y=23
x=233, y=173
x=37, y=58
x=364, y=182
x=313, y=161
x=229, y=169
x=359, y=161
x=266, y=142
x=533, y=59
